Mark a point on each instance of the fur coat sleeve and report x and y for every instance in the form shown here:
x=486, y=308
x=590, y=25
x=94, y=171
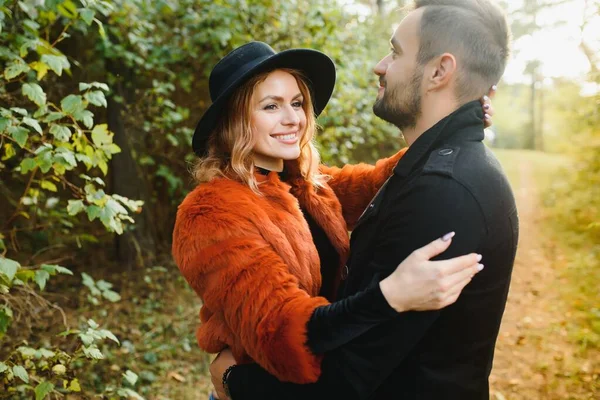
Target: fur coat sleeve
x=251, y=301
x=355, y=185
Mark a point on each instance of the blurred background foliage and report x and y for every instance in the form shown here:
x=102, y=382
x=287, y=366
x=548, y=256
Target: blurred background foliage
x=98, y=100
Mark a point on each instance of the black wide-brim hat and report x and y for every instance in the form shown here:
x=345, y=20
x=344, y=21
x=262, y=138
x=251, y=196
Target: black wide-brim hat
x=250, y=59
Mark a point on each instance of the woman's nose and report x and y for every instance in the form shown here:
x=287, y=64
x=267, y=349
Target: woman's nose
x=291, y=116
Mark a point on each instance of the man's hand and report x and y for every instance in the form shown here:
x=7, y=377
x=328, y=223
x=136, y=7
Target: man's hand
x=217, y=368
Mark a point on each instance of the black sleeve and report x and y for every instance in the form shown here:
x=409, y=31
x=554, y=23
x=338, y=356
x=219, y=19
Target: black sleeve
x=338, y=323
x=434, y=206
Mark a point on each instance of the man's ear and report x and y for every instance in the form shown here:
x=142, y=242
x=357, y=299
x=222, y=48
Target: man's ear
x=441, y=72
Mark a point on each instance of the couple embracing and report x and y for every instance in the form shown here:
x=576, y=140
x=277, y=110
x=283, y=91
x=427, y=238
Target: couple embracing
x=404, y=309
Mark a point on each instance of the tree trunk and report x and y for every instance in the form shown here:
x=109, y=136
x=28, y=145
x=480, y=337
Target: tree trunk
x=532, y=134
x=380, y=7
x=540, y=131
x=137, y=245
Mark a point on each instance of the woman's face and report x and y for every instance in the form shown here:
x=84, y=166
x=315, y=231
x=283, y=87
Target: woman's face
x=278, y=120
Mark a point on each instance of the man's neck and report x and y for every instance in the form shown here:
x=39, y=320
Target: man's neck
x=433, y=111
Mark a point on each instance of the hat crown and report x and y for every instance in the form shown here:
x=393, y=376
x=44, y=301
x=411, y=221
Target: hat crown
x=236, y=63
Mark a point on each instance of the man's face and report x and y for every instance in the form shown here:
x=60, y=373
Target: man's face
x=400, y=76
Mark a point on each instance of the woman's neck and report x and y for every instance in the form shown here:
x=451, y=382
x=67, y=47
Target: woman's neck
x=268, y=163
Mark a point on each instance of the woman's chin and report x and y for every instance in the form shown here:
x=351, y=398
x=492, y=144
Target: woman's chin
x=291, y=154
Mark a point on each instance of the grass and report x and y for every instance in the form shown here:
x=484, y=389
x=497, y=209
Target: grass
x=545, y=165
x=575, y=254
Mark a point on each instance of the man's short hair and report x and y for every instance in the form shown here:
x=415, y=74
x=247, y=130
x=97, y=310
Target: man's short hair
x=476, y=32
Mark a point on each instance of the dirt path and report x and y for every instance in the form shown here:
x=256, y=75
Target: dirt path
x=534, y=358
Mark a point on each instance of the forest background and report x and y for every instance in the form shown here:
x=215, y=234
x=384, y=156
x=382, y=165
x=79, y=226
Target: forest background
x=98, y=100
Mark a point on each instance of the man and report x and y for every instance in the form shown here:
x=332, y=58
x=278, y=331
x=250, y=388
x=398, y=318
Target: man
x=445, y=55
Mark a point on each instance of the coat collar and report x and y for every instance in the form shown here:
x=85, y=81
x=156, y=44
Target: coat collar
x=464, y=124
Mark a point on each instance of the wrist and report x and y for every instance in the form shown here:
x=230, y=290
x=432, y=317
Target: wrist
x=388, y=289
x=224, y=380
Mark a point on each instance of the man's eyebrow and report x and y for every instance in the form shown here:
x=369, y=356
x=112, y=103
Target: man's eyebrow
x=278, y=98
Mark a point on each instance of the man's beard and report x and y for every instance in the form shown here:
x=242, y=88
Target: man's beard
x=401, y=104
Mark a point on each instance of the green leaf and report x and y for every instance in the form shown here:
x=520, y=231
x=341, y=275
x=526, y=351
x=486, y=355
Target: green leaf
x=67, y=9
x=86, y=338
x=111, y=296
x=9, y=152
x=130, y=377
x=26, y=352
x=74, y=386
x=25, y=275
x=72, y=104
x=96, y=98
x=43, y=389
x=56, y=63
x=19, y=110
x=99, y=85
x=3, y=367
x=60, y=132
x=86, y=116
x=15, y=69
x=75, y=207
x=8, y=267
x=87, y=15
x=21, y=373
x=41, y=68
x=100, y=135
x=54, y=116
x=49, y=186
x=44, y=161
x=104, y=285
x=35, y=93
x=44, y=353
x=6, y=317
x=4, y=123
x=108, y=334
x=20, y=134
x=33, y=123
x=101, y=30
x=93, y=352
x=52, y=269
x=66, y=156
x=93, y=212
x=27, y=165
x=41, y=277
x=93, y=324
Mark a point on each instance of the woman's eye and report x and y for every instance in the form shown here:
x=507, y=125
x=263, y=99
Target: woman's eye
x=297, y=104
x=270, y=107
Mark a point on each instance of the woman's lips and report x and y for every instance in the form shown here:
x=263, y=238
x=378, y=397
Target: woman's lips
x=287, y=138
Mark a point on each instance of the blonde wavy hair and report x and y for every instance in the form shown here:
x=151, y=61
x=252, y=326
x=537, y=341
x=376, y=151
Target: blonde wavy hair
x=229, y=150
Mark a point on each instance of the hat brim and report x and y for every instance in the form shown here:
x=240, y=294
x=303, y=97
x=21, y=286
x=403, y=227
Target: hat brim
x=317, y=67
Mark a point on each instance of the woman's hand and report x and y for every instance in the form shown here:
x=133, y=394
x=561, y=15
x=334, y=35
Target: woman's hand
x=217, y=368
x=419, y=284
x=488, y=109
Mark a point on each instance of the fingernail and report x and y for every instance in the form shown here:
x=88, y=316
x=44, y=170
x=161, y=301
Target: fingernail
x=479, y=257
x=485, y=98
x=479, y=267
x=448, y=236
x=494, y=87
x=487, y=116
x=487, y=106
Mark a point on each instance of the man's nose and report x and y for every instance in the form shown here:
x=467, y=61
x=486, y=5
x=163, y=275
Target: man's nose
x=381, y=67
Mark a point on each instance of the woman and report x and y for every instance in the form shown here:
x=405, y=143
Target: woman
x=264, y=237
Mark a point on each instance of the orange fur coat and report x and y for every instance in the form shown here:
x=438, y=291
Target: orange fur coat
x=252, y=260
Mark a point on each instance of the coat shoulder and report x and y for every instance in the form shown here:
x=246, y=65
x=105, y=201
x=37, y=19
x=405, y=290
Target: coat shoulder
x=218, y=196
